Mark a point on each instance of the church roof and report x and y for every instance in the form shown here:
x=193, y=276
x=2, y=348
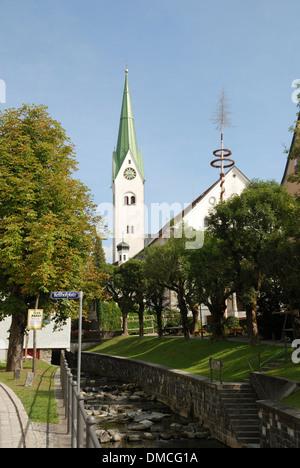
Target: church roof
x=126, y=137
x=292, y=162
x=192, y=205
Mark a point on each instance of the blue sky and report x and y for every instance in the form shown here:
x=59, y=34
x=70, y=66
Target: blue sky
x=70, y=55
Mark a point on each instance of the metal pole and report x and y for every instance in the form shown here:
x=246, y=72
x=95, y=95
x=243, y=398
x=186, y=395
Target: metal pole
x=34, y=338
x=70, y=380
x=80, y=421
x=74, y=415
x=79, y=341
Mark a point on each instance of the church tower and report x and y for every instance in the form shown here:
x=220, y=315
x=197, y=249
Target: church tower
x=128, y=185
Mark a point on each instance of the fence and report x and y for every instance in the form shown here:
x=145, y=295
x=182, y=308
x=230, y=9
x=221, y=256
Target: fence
x=261, y=363
x=147, y=318
x=80, y=426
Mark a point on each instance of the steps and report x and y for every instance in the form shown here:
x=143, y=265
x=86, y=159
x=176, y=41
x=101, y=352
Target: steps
x=273, y=365
x=240, y=403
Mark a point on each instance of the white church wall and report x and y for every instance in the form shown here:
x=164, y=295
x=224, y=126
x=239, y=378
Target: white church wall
x=234, y=185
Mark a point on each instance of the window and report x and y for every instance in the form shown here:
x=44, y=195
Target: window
x=206, y=221
x=132, y=229
x=127, y=229
x=129, y=199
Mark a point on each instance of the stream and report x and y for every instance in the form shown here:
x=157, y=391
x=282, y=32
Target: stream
x=127, y=417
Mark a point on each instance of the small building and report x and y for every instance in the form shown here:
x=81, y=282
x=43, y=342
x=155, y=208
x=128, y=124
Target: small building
x=49, y=341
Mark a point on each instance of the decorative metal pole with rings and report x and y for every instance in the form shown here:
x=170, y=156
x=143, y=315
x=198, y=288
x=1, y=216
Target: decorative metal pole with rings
x=220, y=155
x=222, y=160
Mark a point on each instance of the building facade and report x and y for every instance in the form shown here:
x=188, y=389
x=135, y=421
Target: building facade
x=292, y=163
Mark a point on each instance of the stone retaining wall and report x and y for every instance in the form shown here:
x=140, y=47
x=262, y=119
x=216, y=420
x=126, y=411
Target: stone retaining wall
x=189, y=395
x=271, y=387
x=280, y=425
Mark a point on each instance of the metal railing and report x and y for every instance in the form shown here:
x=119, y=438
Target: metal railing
x=81, y=427
x=261, y=363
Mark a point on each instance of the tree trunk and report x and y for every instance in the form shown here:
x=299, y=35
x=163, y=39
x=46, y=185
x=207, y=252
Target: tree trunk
x=158, y=311
x=141, y=320
x=195, y=313
x=252, y=324
x=125, y=323
x=184, y=313
x=217, y=316
x=16, y=338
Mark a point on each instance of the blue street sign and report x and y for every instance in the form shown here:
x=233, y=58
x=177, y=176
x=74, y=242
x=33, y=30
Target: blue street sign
x=65, y=295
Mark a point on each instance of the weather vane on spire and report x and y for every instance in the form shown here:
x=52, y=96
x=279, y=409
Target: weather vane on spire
x=221, y=120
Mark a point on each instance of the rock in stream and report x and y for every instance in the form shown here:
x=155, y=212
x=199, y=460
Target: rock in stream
x=128, y=417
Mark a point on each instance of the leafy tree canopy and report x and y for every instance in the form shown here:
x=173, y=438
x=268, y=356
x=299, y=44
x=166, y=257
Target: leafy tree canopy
x=48, y=219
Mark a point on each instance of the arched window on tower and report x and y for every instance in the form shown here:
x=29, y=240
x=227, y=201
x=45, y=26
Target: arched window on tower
x=129, y=199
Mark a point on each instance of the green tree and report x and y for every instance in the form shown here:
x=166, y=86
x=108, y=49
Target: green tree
x=282, y=260
x=212, y=278
x=136, y=283
x=47, y=219
x=119, y=288
x=155, y=300
x=246, y=224
x=108, y=315
x=168, y=266
x=95, y=276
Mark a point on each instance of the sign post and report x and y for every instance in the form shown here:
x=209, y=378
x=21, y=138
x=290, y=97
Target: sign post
x=73, y=295
x=216, y=364
x=34, y=322
x=79, y=342
x=35, y=319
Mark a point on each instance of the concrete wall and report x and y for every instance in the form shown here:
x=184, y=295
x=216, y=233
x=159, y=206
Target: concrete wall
x=187, y=394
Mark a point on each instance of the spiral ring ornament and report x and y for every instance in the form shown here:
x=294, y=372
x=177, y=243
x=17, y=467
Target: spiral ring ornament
x=220, y=154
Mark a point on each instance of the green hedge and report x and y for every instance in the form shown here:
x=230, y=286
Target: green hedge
x=109, y=316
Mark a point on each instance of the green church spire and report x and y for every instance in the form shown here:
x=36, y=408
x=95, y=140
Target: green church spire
x=127, y=137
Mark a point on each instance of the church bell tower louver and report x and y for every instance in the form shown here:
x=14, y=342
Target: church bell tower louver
x=128, y=185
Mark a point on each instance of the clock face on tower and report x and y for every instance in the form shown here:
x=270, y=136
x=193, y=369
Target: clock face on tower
x=129, y=173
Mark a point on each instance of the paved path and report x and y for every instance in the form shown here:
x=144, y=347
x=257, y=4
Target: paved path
x=17, y=431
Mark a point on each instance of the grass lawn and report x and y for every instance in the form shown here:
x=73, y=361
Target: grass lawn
x=191, y=356
x=287, y=371
x=38, y=399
